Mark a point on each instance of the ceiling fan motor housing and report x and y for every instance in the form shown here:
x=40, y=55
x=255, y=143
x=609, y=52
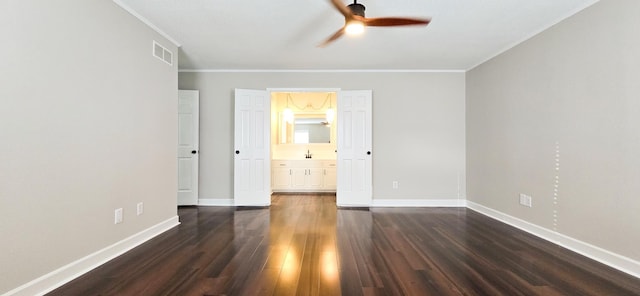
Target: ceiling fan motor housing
x=357, y=9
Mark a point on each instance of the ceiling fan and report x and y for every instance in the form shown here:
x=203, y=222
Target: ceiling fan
x=355, y=21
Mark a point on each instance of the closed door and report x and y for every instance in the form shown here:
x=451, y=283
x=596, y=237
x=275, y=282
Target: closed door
x=188, y=138
x=252, y=166
x=354, y=143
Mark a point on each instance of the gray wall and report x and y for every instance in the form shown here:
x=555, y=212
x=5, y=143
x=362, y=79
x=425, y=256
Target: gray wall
x=418, y=128
x=575, y=86
x=88, y=125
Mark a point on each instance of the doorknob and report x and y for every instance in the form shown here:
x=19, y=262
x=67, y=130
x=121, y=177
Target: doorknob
x=194, y=152
x=368, y=152
x=237, y=151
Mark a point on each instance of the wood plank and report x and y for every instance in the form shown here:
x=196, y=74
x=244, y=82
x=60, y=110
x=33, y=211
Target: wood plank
x=304, y=245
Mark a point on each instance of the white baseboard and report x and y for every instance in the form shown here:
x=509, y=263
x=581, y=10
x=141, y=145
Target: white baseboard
x=211, y=202
x=214, y=202
x=412, y=203
x=67, y=273
x=619, y=262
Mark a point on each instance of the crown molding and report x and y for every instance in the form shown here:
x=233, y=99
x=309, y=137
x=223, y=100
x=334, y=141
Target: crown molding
x=146, y=22
x=318, y=71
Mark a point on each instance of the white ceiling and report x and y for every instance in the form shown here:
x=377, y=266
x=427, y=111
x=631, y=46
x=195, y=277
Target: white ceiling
x=284, y=34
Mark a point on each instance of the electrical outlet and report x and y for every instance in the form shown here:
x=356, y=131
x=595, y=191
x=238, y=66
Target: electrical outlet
x=140, y=208
x=394, y=184
x=118, y=216
x=526, y=200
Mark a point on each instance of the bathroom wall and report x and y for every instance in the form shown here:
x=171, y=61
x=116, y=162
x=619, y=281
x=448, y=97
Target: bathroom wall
x=301, y=104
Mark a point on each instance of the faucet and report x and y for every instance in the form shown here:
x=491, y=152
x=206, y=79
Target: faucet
x=308, y=155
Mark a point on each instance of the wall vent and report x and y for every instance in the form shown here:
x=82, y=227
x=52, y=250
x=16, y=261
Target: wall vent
x=162, y=53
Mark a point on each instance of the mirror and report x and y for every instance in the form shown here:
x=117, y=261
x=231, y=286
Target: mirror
x=311, y=130
x=305, y=129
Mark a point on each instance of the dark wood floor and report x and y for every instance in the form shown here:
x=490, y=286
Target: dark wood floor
x=303, y=245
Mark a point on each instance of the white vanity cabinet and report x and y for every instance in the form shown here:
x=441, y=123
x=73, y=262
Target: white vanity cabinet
x=281, y=177
x=307, y=175
x=331, y=176
x=307, y=178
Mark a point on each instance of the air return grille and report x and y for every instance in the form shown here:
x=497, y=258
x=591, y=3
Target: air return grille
x=162, y=53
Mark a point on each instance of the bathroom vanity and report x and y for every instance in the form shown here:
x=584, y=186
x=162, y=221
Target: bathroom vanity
x=304, y=175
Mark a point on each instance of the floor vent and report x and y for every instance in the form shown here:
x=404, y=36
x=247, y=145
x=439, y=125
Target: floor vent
x=162, y=53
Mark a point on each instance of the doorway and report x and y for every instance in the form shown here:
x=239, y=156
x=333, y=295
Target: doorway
x=303, y=141
x=352, y=155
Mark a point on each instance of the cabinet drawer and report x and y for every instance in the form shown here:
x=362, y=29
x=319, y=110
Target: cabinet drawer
x=280, y=164
x=329, y=164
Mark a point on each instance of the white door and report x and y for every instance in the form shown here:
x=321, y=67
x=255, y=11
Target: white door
x=188, y=150
x=354, y=149
x=252, y=169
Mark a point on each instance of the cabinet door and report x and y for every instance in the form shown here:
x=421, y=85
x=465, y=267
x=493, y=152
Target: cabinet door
x=281, y=178
x=330, y=178
x=299, y=178
x=315, y=178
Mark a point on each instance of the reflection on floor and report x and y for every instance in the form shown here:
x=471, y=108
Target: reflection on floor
x=304, y=245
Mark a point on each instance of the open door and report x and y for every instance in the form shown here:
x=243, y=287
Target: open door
x=252, y=169
x=354, y=143
x=188, y=139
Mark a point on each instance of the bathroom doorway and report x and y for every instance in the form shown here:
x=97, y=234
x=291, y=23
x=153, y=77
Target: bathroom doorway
x=303, y=141
x=271, y=155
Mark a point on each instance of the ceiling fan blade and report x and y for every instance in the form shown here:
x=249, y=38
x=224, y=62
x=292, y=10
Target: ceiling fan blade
x=394, y=21
x=333, y=37
x=342, y=8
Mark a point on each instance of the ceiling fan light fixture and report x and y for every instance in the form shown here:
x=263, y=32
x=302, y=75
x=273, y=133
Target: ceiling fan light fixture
x=354, y=27
x=355, y=20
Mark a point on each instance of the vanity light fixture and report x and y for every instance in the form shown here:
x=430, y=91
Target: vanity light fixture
x=287, y=113
x=330, y=113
